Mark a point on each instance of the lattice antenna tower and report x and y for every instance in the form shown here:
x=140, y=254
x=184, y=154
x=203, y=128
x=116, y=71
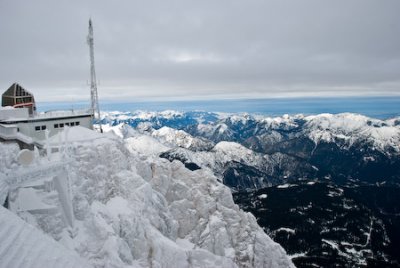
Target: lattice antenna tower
x=93, y=85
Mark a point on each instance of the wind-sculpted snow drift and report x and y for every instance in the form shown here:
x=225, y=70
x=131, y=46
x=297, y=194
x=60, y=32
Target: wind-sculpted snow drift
x=134, y=209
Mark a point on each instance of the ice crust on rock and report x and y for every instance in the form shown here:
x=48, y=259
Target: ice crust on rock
x=166, y=202
x=134, y=209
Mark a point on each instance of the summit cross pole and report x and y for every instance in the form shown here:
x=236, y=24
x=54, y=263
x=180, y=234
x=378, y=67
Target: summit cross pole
x=93, y=85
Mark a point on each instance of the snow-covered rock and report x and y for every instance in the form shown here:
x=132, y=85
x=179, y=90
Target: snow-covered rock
x=145, y=145
x=232, y=151
x=134, y=209
x=351, y=128
x=181, y=138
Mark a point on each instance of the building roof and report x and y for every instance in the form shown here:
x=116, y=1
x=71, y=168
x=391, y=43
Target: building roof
x=16, y=90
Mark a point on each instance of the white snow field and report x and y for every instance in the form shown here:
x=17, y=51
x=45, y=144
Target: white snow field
x=131, y=209
x=23, y=245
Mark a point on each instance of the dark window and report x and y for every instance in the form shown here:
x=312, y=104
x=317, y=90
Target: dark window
x=72, y=124
x=77, y=123
x=55, y=125
x=67, y=124
x=61, y=125
x=43, y=127
x=37, y=128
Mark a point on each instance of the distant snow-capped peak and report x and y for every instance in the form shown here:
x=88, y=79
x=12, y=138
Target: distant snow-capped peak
x=351, y=128
x=345, y=128
x=177, y=137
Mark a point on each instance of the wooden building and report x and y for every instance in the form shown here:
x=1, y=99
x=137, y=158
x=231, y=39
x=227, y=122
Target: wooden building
x=18, y=97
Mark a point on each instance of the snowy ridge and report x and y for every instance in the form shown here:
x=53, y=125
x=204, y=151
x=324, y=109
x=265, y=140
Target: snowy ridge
x=144, y=115
x=145, y=145
x=139, y=116
x=133, y=209
x=231, y=154
x=180, y=138
x=344, y=128
x=24, y=246
x=228, y=151
x=221, y=154
x=351, y=128
x=284, y=148
x=176, y=137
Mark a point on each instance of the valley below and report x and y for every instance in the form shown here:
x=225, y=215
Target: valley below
x=322, y=224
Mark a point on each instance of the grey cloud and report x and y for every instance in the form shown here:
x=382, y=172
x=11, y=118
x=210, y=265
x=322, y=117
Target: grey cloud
x=202, y=49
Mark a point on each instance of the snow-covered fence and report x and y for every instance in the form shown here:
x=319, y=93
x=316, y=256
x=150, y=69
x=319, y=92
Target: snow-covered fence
x=33, y=173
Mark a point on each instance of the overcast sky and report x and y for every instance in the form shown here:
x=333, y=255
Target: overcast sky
x=206, y=49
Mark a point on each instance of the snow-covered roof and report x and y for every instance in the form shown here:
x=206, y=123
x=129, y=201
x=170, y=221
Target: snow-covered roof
x=75, y=134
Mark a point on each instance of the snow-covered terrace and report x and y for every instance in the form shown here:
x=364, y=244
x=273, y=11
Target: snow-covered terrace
x=51, y=114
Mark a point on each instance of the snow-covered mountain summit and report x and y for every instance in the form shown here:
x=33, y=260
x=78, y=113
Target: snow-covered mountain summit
x=344, y=127
x=134, y=209
x=182, y=139
x=352, y=128
x=339, y=146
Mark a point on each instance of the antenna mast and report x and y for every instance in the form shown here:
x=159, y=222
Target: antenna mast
x=93, y=86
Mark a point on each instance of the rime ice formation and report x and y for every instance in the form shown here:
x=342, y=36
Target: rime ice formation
x=22, y=245
x=134, y=209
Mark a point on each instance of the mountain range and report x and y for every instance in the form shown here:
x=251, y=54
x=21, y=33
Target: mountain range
x=323, y=186
x=250, y=151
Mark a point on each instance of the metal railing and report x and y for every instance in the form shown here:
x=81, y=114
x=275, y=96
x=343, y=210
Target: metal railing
x=64, y=113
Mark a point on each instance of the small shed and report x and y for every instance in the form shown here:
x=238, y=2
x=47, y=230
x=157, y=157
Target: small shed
x=18, y=97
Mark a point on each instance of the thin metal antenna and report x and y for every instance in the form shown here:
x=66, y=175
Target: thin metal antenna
x=93, y=86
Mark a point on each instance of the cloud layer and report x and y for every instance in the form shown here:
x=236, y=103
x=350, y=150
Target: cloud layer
x=202, y=49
